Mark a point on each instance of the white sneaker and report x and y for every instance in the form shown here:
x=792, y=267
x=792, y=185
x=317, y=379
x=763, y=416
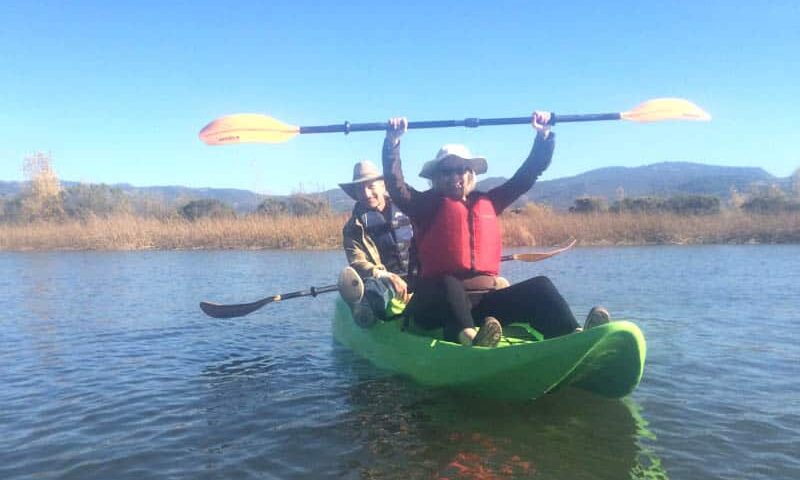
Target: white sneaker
x=351, y=287
x=489, y=334
x=597, y=316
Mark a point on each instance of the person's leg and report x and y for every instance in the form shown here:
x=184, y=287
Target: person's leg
x=535, y=301
x=442, y=301
x=378, y=293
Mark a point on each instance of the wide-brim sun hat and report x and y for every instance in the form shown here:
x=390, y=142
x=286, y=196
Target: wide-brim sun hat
x=452, y=156
x=363, y=172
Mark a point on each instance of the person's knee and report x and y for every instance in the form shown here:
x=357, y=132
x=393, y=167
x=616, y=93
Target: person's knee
x=542, y=282
x=378, y=294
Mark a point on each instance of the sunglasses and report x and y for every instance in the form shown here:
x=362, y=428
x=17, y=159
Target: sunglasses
x=453, y=171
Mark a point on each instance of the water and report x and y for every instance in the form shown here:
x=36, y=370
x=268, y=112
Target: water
x=110, y=370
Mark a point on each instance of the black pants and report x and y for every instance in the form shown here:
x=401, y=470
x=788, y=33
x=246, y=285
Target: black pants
x=443, y=302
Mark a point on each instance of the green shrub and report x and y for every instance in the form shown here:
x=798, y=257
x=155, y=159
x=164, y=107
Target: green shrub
x=301, y=205
x=273, y=207
x=693, y=205
x=206, y=208
x=11, y=210
x=83, y=201
x=589, y=205
x=639, y=205
x=771, y=204
x=679, y=205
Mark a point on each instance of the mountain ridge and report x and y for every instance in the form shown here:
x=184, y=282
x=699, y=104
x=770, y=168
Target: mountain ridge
x=659, y=179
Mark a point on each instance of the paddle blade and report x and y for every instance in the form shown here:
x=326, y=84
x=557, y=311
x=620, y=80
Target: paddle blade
x=538, y=256
x=666, y=109
x=247, y=128
x=238, y=310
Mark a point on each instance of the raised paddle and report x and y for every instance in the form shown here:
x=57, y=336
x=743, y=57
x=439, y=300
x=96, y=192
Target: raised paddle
x=258, y=128
x=241, y=309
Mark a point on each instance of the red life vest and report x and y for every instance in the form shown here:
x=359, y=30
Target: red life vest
x=461, y=240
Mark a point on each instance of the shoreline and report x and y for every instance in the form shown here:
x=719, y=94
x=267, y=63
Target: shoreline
x=531, y=227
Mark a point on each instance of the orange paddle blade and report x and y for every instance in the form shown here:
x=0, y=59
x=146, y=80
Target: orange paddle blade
x=666, y=109
x=247, y=128
x=535, y=257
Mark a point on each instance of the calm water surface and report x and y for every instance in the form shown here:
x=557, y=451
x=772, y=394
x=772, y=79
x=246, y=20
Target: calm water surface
x=109, y=370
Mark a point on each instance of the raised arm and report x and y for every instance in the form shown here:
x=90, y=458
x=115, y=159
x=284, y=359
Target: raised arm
x=537, y=162
x=402, y=194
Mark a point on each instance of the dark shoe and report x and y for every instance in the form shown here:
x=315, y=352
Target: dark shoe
x=363, y=315
x=489, y=334
x=597, y=316
x=351, y=287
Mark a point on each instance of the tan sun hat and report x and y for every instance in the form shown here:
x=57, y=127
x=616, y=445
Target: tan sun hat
x=450, y=156
x=363, y=171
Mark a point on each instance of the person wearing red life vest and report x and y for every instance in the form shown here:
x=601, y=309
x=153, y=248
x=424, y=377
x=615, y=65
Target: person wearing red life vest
x=458, y=243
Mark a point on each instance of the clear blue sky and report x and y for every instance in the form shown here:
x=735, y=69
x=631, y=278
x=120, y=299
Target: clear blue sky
x=118, y=93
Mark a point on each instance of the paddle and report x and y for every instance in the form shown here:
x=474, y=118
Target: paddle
x=257, y=128
x=241, y=309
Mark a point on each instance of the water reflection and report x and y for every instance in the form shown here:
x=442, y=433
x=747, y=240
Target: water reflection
x=411, y=432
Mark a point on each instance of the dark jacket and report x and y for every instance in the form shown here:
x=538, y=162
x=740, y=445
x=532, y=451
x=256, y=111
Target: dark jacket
x=364, y=252
x=421, y=207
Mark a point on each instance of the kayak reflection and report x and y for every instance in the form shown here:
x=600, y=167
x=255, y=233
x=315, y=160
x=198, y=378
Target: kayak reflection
x=408, y=431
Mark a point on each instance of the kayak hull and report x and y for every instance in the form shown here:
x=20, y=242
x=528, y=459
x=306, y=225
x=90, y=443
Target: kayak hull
x=607, y=360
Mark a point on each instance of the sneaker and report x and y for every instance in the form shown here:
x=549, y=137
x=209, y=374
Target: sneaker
x=597, y=316
x=363, y=315
x=489, y=334
x=351, y=287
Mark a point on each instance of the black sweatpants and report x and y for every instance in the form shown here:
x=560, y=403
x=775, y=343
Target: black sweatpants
x=443, y=302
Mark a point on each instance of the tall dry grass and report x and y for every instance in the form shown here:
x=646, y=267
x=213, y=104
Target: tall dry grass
x=531, y=226
x=535, y=225
x=128, y=232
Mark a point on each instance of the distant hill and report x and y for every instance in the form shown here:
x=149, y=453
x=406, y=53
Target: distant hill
x=239, y=200
x=659, y=179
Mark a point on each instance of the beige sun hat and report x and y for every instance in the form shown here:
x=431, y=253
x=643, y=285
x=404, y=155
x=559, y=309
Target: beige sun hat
x=363, y=171
x=453, y=155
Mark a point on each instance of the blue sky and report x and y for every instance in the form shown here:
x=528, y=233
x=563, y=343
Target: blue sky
x=118, y=93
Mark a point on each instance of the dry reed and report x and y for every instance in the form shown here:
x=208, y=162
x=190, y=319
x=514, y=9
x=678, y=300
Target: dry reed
x=535, y=225
x=126, y=232
x=531, y=226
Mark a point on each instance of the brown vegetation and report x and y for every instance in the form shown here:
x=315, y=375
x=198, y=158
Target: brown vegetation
x=536, y=225
x=128, y=232
x=533, y=225
x=98, y=217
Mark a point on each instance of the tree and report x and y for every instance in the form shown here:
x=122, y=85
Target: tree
x=101, y=200
x=42, y=199
x=736, y=199
x=301, y=205
x=272, y=207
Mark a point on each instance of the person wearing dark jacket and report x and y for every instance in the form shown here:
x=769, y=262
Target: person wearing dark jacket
x=458, y=243
x=376, y=241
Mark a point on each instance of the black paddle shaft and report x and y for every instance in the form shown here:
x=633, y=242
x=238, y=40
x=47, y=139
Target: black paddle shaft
x=241, y=309
x=348, y=127
x=217, y=310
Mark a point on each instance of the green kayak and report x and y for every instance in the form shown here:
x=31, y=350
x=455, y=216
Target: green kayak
x=607, y=359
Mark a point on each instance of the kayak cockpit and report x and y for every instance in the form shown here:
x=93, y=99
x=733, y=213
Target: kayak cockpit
x=513, y=334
